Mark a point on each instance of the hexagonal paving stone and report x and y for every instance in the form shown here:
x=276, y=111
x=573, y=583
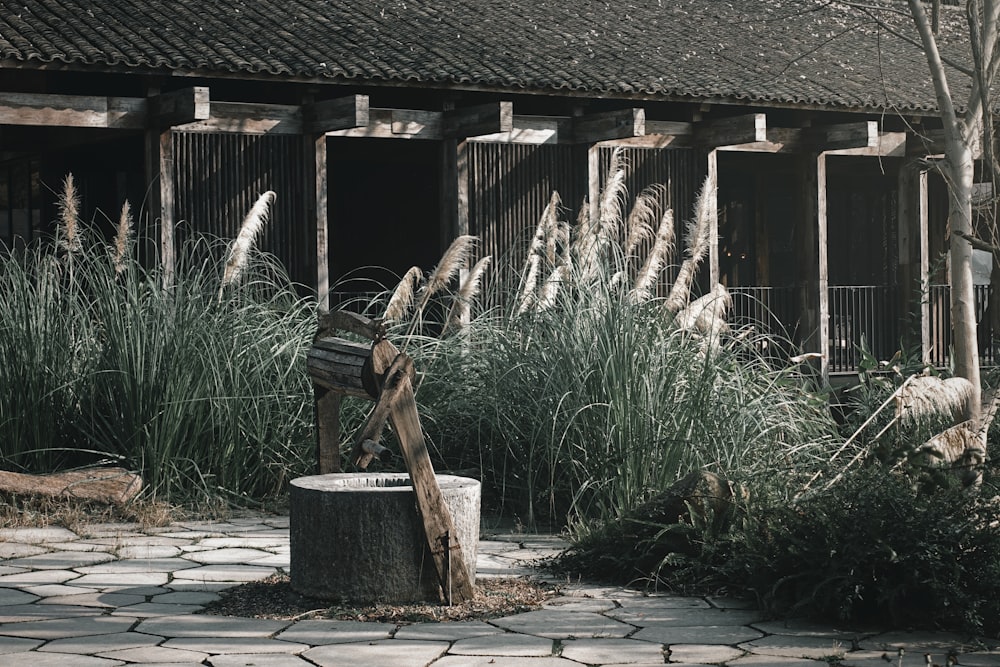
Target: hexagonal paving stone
x=156, y=654
x=393, y=652
x=798, y=647
x=17, y=644
x=227, y=556
x=149, y=551
x=234, y=573
x=119, y=580
x=644, y=614
x=37, y=578
x=216, y=627
x=95, y=599
x=705, y=634
x=93, y=644
x=706, y=654
x=252, y=660
x=152, y=609
x=922, y=642
x=890, y=658
x=478, y=661
x=234, y=645
x=558, y=624
x=20, y=613
x=776, y=661
x=11, y=596
x=37, y=535
x=335, y=632
x=446, y=631
x=611, y=651
x=19, y=550
x=68, y=627
x=37, y=659
x=506, y=644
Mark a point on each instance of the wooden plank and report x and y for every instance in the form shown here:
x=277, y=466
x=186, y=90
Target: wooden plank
x=327, y=430
x=713, y=218
x=179, y=107
x=423, y=124
x=320, y=194
x=619, y=124
x=481, y=119
x=167, y=206
x=342, y=113
x=249, y=118
x=779, y=140
x=343, y=320
x=670, y=128
x=48, y=110
x=456, y=582
x=748, y=128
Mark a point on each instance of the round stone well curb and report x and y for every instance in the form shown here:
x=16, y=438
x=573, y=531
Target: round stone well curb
x=358, y=536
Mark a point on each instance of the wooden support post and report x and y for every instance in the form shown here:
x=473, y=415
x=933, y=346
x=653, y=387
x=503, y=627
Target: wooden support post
x=813, y=271
x=914, y=254
x=594, y=177
x=713, y=213
x=327, y=429
x=160, y=172
x=320, y=193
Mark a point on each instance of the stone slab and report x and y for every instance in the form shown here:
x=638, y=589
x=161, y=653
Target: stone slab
x=37, y=535
x=227, y=645
x=234, y=556
x=612, y=651
x=336, y=632
x=718, y=635
x=37, y=659
x=480, y=661
x=95, y=599
x=20, y=613
x=234, y=573
x=398, y=653
x=648, y=614
x=216, y=627
x=814, y=648
x=94, y=644
x=152, y=609
x=12, y=596
x=17, y=644
x=446, y=631
x=62, y=628
x=506, y=644
x=153, y=654
x=558, y=624
x=706, y=654
x=257, y=660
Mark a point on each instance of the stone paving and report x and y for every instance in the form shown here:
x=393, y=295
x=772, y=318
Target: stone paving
x=114, y=594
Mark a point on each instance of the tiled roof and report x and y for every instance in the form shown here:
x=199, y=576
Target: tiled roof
x=810, y=52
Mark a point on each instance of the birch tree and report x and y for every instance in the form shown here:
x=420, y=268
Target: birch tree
x=964, y=133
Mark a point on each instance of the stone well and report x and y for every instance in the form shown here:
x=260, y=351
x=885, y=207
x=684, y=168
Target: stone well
x=358, y=536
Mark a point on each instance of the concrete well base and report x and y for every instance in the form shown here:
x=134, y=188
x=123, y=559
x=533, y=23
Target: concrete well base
x=358, y=537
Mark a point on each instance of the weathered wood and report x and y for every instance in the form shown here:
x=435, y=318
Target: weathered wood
x=779, y=140
x=179, y=107
x=48, y=110
x=250, y=118
x=372, y=428
x=748, y=128
x=343, y=320
x=887, y=144
x=107, y=485
x=670, y=128
x=713, y=217
x=377, y=450
x=320, y=192
x=863, y=134
x=482, y=119
x=456, y=582
x=339, y=365
x=609, y=125
x=342, y=113
x=531, y=130
x=327, y=429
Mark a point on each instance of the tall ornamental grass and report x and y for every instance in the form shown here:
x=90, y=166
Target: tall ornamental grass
x=200, y=384
x=595, y=385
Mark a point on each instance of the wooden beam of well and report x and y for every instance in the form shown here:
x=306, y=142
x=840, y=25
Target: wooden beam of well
x=46, y=110
x=342, y=113
x=482, y=119
x=749, y=128
x=609, y=125
x=179, y=107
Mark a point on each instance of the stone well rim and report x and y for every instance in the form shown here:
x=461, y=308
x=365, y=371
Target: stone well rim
x=374, y=482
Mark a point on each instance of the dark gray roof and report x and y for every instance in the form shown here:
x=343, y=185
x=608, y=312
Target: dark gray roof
x=777, y=52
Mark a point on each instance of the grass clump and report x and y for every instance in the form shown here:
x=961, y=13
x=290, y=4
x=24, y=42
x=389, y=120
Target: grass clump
x=196, y=382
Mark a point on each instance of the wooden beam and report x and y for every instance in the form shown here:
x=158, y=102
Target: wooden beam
x=179, y=107
x=609, y=125
x=670, y=128
x=247, y=118
x=779, y=140
x=46, y=110
x=750, y=128
x=863, y=134
x=482, y=119
x=342, y=113
x=531, y=130
x=886, y=144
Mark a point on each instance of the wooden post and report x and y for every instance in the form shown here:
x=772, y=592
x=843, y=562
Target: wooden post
x=914, y=255
x=713, y=218
x=813, y=272
x=320, y=193
x=327, y=429
x=397, y=398
x=594, y=177
x=160, y=172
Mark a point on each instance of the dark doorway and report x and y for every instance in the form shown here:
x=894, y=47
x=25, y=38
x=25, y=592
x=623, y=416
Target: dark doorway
x=385, y=212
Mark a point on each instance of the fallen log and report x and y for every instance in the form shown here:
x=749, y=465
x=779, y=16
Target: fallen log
x=113, y=486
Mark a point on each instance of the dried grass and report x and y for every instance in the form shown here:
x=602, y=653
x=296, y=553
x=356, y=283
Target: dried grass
x=453, y=259
x=925, y=397
x=123, y=239
x=663, y=245
x=697, y=242
x=467, y=293
x=239, y=250
x=70, y=240
x=402, y=299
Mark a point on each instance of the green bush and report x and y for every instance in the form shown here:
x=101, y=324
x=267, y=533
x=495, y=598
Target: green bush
x=202, y=390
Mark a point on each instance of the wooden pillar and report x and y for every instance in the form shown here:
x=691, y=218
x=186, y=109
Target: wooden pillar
x=327, y=430
x=160, y=174
x=914, y=253
x=713, y=218
x=814, y=292
x=317, y=192
x=450, y=188
x=594, y=177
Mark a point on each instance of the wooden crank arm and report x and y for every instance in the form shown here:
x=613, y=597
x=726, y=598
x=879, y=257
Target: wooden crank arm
x=401, y=367
x=342, y=320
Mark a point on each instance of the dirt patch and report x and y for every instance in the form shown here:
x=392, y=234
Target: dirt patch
x=274, y=598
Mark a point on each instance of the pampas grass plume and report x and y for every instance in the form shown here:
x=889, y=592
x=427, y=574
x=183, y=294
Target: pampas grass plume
x=123, y=238
x=467, y=293
x=239, y=251
x=697, y=241
x=401, y=300
x=69, y=215
x=645, y=282
x=453, y=259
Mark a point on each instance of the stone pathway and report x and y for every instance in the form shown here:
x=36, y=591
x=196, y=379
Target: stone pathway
x=114, y=594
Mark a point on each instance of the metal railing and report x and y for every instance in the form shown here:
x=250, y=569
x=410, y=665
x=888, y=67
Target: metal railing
x=862, y=315
x=939, y=302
